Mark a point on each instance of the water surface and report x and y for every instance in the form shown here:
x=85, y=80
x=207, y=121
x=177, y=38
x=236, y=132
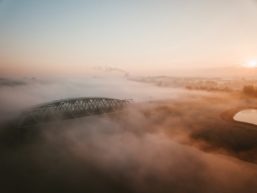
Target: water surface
x=247, y=116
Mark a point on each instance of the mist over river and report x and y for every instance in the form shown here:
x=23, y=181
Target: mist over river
x=177, y=143
x=15, y=98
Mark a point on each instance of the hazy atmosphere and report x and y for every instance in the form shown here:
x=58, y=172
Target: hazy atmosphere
x=128, y=96
x=72, y=37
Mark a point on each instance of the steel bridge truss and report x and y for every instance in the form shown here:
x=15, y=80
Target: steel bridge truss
x=71, y=108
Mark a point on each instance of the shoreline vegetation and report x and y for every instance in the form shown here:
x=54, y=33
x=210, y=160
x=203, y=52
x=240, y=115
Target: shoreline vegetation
x=247, y=87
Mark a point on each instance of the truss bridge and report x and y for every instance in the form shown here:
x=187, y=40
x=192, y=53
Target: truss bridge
x=70, y=108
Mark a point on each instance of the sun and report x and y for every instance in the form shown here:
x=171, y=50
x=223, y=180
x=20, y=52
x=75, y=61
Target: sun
x=251, y=64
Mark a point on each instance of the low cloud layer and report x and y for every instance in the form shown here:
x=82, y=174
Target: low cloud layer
x=178, y=145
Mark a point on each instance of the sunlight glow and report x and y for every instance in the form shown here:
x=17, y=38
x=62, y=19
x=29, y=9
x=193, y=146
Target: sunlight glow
x=251, y=64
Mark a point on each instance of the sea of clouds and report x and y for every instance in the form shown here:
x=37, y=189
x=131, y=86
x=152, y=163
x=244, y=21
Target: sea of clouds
x=148, y=148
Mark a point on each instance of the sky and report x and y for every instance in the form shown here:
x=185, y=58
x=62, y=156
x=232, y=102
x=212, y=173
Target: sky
x=139, y=36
